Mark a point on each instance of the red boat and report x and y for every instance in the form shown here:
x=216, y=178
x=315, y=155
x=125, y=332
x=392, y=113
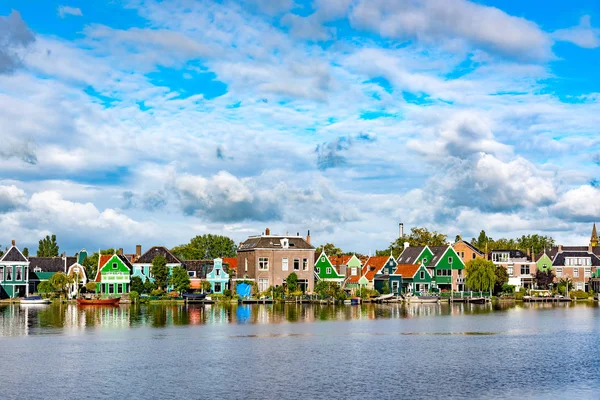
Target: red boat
x=98, y=302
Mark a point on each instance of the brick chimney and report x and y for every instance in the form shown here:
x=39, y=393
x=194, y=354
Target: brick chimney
x=267, y=232
x=120, y=251
x=308, y=237
x=401, y=230
x=560, y=248
x=14, y=243
x=138, y=250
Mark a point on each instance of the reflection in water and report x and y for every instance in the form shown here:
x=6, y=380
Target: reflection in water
x=18, y=320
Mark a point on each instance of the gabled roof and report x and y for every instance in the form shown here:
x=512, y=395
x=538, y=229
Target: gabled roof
x=374, y=265
x=274, y=243
x=232, y=262
x=152, y=252
x=201, y=267
x=356, y=278
x=560, y=258
x=438, y=252
x=50, y=264
x=104, y=258
x=407, y=270
x=14, y=255
x=339, y=260
x=469, y=245
x=410, y=254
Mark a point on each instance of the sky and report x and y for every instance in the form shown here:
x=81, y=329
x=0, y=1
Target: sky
x=149, y=122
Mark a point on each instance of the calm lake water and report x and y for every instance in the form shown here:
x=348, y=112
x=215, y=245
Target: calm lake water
x=300, y=351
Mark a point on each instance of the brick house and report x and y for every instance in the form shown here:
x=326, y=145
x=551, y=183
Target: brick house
x=270, y=259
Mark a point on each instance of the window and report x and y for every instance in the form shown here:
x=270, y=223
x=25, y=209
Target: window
x=114, y=265
x=192, y=274
x=18, y=274
x=525, y=269
x=328, y=271
x=126, y=286
x=395, y=287
x=587, y=272
x=217, y=287
x=218, y=272
x=462, y=255
x=559, y=272
x=245, y=264
x=474, y=256
x=510, y=270
x=353, y=271
x=1, y=274
x=263, y=263
x=305, y=264
x=460, y=272
x=579, y=285
x=9, y=273
x=296, y=264
x=119, y=289
x=422, y=275
x=263, y=284
x=317, y=270
x=576, y=272
x=111, y=288
x=284, y=264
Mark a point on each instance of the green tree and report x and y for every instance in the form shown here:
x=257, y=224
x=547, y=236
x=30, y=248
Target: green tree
x=137, y=284
x=48, y=247
x=206, y=247
x=91, y=287
x=25, y=252
x=330, y=289
x=180, y=280
x=160, y=271
x=149, y=286
x=417, y=237
x=481, y=274
x=501, y=278
x=543, y=279
x=45, y=287
x=386, y=288
x=536, y=242
x=329, y=249
x=292, y=282
x=60, y=281
x=205, y=286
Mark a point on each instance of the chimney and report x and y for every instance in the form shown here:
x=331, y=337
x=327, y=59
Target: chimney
x=406, y=245
x=401, y=230
x=590, y=248
x=120, y=252
x=560, y=248
x=267, y=232
x=528, y=253
x=308, y=237
x=138, y=250
x=14, y=243
x=532, y=255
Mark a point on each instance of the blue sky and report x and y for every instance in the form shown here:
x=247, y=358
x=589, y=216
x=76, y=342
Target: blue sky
x=150, y=122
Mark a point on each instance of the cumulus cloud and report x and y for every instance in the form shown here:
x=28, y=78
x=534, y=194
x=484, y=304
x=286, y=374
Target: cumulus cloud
x=11, y=197
x=22, y=149
x=454, y=21
x=15, y=38
x=63, y=11
x=332, y=154
x=580, y=204
x=583, y=35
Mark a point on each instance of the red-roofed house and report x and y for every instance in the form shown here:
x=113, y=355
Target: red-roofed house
x=415, y=278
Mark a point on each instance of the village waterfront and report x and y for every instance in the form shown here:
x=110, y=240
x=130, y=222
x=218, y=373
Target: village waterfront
x=290, y=351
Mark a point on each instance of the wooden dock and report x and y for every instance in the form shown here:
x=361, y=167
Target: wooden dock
x=537, y=299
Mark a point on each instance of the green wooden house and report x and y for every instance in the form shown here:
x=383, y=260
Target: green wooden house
x=325, y=270
x=544, y=263
x=113, y=275
x=442, y=262
x=415, y=278
x=14, y=273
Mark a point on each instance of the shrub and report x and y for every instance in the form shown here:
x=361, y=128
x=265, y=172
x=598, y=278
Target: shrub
x=134, y=296
x=157, y=292
x=173, y=294
x=579, y=294
x=227, y=293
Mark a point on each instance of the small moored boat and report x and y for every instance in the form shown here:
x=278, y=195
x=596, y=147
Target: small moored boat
x=98, y=302
x=35, y=300
x=421, y=299
x=194, y=296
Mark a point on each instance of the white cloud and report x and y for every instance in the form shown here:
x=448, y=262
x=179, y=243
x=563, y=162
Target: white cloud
x=11, y=197
x=579, y=204
x=583, y=35
x=452, y=22
x=63, y=11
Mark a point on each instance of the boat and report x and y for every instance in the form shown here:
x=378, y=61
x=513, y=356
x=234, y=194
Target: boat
x=476, y=300
x=422, y=299
x=355, y=300
x=384, y=297
x=194, y=296
x=98, y=302
x=34, y=300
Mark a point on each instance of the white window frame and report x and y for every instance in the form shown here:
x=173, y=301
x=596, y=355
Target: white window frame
x=353, y=271
x=450, y=260
x=263, y=284
x=587, y=272
x=284, y=264
x=296, y=264
x=422, y=275
x=305, y=264
x=245, y=265
x=263, y=263
x=576, y=272
x=510, y=270
x=559, y=272
x=1, y=273
x=328, y=271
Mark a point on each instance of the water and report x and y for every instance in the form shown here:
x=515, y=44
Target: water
x=300, y=352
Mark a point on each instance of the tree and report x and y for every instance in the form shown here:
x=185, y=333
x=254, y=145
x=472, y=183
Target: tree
x=45, y=287
x=91, y=287
x=330, y=289
x=48, y=247
x=481, y=274
x=25, y=252
x=205, y=286
x=91, y=262
x=292, y=282
x=180, y=280
x=149, y=286
x=60, y=281
x=457, y=238
x=417, y=237
x=501, y=278
x=329, y=249
x=386, y=288
x=160, y=271
x=137, y=284
x=536, y=242
x=564, y=283
x=206, y=247
x=543, y=279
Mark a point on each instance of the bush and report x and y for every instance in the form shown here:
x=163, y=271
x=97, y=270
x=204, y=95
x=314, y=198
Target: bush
x=157, y=292
x=134, y=296
x=579, y=294
x=173, y=294
x=227, y=293
x=508, y=289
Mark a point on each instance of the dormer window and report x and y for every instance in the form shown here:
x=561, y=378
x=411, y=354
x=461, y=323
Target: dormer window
x=285, y=243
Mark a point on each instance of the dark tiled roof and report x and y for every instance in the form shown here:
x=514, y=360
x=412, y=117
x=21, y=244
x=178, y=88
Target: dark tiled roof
x=560, y=258
x=274, y=242
x=201, y=267
x=475, y=249
x=13, y=254
x=50, y=264
x=512, y=253
x=409, y=255
x=438, y=252
x=149, y=255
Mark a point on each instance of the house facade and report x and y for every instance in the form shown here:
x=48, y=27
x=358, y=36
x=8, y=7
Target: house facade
x=14, y=273
x=43, y=268
x=77, y=272
x=443, y=263
x=520, y=267
x=142, y=265
x=270, y=259
x=415, y=278
x=218, y=277
x=576, y=264
x=113, y=275
x=326, y=271
x=466, y=251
